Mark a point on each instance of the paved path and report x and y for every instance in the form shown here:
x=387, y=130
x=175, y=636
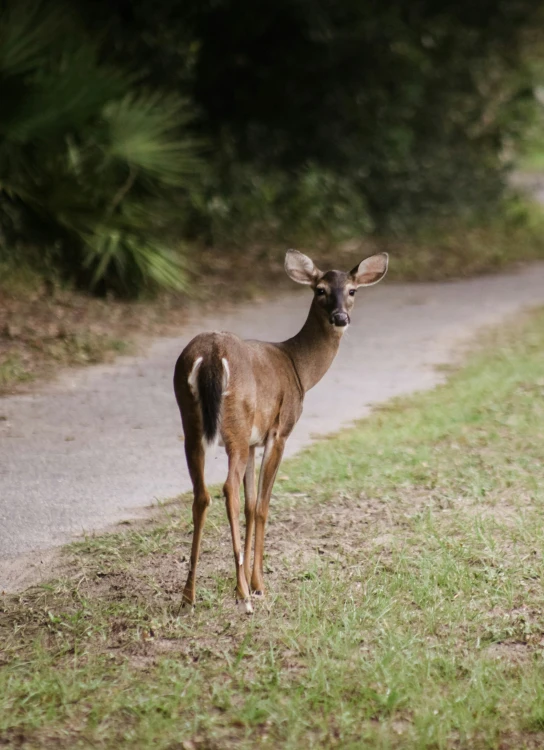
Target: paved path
x=98, y=444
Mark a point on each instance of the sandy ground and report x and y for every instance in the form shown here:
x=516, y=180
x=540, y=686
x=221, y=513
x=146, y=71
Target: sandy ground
x=100, y=445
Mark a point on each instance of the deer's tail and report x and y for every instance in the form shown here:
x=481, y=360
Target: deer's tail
x=208, y=382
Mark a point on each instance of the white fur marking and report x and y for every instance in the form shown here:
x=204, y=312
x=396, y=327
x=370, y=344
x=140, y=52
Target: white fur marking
x=226, y=375
x=211, y=447
x=266, y=454
x=255, y=436
x=244, y=606
x=241, y=558
x=193, y=376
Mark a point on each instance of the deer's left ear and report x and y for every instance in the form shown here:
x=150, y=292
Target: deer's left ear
x=301, y=268
x=371, y=270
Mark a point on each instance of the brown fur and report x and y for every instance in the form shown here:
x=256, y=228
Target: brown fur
x=264, y=396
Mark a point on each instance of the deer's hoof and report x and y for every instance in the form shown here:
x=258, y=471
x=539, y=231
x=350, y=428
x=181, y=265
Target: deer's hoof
x=186, y=609
x=244, y=606
x=187, y=606
x=258, y=594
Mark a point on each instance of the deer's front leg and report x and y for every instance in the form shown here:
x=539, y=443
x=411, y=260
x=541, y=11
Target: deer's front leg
x=195, y=461
x=269, y=468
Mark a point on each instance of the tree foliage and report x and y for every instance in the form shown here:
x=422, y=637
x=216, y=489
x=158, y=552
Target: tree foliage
x=344, y=115
x=415, y=103
x=88, y=159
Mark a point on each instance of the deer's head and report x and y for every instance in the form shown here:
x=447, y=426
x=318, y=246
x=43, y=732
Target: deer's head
x=334, y=291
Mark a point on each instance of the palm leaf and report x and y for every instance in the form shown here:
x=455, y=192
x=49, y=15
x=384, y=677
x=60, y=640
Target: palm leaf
x=148, y=131
x=28, y=31
x=54, y=102
x=91, y=160
x=129, y=260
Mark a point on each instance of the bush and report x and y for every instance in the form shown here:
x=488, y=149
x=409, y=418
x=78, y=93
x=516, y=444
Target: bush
x=290, y=207
x=97, y=171
x=449, y=248
x=323, y=118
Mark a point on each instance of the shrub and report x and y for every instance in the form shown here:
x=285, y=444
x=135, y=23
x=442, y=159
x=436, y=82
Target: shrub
x=90, y=166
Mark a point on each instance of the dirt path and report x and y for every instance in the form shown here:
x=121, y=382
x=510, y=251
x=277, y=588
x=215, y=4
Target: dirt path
x=98, y=445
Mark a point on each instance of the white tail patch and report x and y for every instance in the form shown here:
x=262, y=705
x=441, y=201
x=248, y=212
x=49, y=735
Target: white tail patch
x=226, y=375
x=193, y=376
x=211, y=447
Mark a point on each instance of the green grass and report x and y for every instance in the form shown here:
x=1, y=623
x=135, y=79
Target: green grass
x=534, y=161
x=405, y=605
x=532, y=157
x=12, y=371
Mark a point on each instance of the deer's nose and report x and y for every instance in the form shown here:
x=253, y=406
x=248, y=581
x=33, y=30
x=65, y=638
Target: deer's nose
x=339, y=319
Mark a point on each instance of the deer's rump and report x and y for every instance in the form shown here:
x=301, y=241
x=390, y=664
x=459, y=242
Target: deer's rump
x=201, y=379
x=228, y=385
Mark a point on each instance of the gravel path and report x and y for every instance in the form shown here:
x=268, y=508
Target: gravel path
x=98, y=445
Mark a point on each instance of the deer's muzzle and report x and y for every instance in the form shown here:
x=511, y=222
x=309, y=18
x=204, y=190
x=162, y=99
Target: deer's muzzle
x=339, y=319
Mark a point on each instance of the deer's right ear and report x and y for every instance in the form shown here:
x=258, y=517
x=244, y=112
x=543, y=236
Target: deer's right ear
x=300, y=268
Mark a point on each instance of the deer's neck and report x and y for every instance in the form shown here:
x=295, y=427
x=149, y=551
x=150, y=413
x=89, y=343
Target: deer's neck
x=314, y=348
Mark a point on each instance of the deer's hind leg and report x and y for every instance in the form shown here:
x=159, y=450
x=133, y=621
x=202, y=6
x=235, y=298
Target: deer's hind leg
x=194, y=451
x=250, y=496
x=238, y=457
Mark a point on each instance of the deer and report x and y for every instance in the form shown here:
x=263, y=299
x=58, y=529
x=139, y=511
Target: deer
x=244, y=394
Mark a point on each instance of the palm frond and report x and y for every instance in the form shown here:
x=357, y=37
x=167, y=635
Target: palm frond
x=129, y=260
x=54, y=101
x=86, y=157
x=148, y=131
x=27, y=32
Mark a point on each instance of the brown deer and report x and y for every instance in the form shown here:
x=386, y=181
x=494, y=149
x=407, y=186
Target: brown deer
x=250, y=393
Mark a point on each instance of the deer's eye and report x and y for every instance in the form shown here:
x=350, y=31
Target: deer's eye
x=320, y=291
x=352, y=292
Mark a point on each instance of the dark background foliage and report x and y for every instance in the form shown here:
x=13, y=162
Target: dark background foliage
x=293, y=117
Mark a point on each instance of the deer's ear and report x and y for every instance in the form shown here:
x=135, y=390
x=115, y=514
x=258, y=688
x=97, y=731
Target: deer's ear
x=300, y=268
x=371, y=270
